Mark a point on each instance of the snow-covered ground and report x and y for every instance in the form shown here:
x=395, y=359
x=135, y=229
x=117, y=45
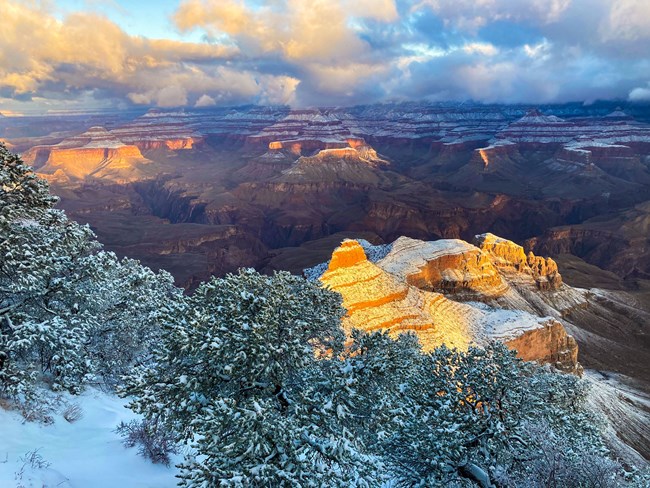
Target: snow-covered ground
x=84, y=454
x=626, y=407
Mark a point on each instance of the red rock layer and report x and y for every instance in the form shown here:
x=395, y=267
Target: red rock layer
x=347, y=254
x=549, y=345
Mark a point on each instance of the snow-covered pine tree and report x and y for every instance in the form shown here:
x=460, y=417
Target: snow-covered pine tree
x=69, y=312
x=367, y=384
x=236, y=377
x=473, y=417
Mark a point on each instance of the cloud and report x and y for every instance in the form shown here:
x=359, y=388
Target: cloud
x=302, y=31
x=471, y=15
x=205, y=101
x=41, y=56
x=330, y=52
x=482, y=48
x=627, y=20
x=640, y=94
x=169, y=96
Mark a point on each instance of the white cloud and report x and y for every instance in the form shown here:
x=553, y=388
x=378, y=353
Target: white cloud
x=205, y=101
x=640, y=94
x=331, y=52
x=482, y=48
x=539, y=50
x=628, y=20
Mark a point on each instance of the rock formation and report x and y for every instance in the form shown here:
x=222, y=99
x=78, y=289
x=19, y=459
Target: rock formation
x=511, y=260
x=96, y=153
x=160, y=130
x=433, y=289
x=619, y=243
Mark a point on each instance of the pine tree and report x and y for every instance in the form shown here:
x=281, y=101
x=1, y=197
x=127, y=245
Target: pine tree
x=235, y=376
x=70, y=313
x=474, y=417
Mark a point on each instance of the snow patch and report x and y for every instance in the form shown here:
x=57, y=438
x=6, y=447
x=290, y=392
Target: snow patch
x=85, y=453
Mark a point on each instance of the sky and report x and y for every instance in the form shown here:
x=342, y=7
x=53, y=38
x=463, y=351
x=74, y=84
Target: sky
x=88, y=54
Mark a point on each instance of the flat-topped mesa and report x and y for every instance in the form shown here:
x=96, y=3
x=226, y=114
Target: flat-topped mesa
x=511, y=259
x=448, y=266
x=381, y=297
x=302, y=146
x=535, y=128
x=94, y=153
x=340, y=166
x=158, y=130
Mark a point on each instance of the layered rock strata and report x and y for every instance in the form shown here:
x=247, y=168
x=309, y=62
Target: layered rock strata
x=417, y=286
x=95, y=153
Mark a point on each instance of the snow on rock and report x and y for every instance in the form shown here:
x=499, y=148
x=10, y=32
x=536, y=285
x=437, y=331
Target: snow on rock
x=407, y=256
x=375, y=252
x=454, y=293
x=83, y=454
x=626, y=408
x=512, y=259
x=377, y=300
x=449, y=265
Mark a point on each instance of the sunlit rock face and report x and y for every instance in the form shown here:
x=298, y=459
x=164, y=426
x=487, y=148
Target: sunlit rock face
x=95, y=153
x=549, y=345
x=448, y=265
x=491, y=156
x=454, y=293
x=511, y=259
x=378, y=300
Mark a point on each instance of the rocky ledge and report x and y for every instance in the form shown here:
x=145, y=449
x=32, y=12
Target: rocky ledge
x=452, y=292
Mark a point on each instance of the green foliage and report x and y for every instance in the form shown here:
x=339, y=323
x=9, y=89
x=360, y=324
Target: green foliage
x=474, y=416
x=252, y=373
x=21, y=191
x=70, y=313
x=238, y=374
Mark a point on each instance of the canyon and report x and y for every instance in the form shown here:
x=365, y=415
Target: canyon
x=547, y=177
x=397, y=205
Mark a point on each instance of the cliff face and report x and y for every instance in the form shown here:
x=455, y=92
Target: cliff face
x=96, y=153
x=113, y=163
x=449, y=265
x=377, y=300
x=511, y=259
x=416, y=286
x=550, y=345
x=490, y=157
x=171, y=142
x=620, y=243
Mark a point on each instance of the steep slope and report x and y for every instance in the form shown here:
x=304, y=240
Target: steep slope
x=617, y=242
